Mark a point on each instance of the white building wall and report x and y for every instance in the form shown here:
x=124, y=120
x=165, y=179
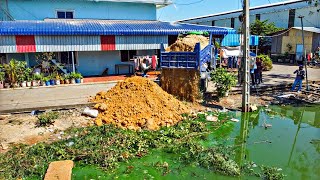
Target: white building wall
x=223, y=23
x=280, y=18
x=312, y=17
x=277, y=14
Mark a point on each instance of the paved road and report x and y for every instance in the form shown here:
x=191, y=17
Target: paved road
x=25, y=98
x=284, y=73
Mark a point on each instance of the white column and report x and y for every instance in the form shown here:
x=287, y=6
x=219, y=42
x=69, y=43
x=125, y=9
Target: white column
x=73, y=66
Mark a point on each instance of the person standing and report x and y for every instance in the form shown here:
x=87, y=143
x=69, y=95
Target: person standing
x=253, y=67
x=299, y=77
x=258, y=71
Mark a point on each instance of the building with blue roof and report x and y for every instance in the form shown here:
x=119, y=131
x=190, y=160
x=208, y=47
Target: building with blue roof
x=88, y=36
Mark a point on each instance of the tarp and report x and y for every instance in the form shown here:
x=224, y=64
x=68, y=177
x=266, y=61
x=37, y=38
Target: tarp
x=235, y=39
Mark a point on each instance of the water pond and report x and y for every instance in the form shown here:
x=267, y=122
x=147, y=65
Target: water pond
x=282, y=136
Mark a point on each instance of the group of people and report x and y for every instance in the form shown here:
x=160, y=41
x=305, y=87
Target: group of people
x=256, y=71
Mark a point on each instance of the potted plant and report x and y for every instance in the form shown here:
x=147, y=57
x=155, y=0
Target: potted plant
x=36, y=79
x=22, y=80
x=51, y=79
x=62, y=79
x=47, y=80
x=14, y=69
x=72, y=78
x=78, y=77
x=41, y=81
x=67, y=79
x=223, y=80
x=2, y=74
x=57, y=79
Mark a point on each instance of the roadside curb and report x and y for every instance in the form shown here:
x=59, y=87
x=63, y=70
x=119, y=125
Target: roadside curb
x=29, y=110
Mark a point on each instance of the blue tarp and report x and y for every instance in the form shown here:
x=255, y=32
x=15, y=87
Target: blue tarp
x=104, y=27
x=234, y=40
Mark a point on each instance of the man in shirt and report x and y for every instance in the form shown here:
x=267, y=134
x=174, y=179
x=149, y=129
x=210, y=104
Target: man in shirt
x=144, y=68
x=299, y=77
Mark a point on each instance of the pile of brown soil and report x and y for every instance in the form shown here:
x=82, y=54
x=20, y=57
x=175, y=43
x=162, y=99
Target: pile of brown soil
x=138, y=103
x=188, y=42
x=180, y=82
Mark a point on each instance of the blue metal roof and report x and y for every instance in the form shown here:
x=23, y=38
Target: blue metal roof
x=103, y=27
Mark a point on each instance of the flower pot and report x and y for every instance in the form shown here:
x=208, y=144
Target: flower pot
x=78, y=81
x=24, y=84
x=61, y=81
x=42, y=83
x=67, y=81
x=16, y=85
x=28, y=83
x=35, y=83
x=72, y=81
x=1, y=85
x=6, y=85
x=81, y=80
x=48, y=83
x=57, y=82
x=52, y=82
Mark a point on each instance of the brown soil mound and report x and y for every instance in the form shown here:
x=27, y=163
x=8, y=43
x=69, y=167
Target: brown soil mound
x=138, y=103
x=187, y=43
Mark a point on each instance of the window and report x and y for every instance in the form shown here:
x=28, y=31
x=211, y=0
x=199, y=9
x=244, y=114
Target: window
x=292, y=14
x=126, y=55
x=65, y=14
x=232, y=22
x=258, y=17
x=213, y=23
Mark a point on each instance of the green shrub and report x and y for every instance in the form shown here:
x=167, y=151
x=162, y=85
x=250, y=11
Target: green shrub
x=224, y=80
x=47, y=119
x=266, y=62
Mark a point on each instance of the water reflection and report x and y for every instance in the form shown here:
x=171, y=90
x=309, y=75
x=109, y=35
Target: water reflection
x=292, y=143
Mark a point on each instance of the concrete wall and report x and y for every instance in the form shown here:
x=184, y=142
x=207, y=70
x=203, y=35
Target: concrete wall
x=40, y=9
x=295, y=38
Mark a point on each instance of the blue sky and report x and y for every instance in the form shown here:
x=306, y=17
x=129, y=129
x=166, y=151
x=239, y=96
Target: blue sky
x=182, y=9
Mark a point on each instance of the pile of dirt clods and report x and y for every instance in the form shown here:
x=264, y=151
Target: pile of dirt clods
x=188, y=43
x=138, y=103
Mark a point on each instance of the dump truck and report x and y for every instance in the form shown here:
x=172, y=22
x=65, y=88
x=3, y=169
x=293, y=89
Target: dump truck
x=198, y=59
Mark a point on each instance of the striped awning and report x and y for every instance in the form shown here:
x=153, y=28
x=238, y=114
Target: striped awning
x=104, y=27
x=39, y=43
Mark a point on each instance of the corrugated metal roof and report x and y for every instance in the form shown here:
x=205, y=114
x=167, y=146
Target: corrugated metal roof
x=309, y=29
x=103, y=27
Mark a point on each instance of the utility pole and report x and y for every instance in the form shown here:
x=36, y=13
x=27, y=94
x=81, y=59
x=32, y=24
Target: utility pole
x=304, y=54
x=246, y=59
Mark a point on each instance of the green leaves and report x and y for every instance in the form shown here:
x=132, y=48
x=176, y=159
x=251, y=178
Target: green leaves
x=224, y=80
x=46, y=119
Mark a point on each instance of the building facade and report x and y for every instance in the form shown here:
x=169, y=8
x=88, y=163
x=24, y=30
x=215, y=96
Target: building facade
x=86, y=35
x=283, y=14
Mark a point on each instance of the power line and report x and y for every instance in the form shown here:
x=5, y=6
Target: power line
x=290, y=8
x=186, y=4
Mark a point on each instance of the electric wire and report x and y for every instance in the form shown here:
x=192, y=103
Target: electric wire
x=186, y=4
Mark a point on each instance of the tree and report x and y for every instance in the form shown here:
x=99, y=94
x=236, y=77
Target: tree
x=263, y=28
x=314, y=2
